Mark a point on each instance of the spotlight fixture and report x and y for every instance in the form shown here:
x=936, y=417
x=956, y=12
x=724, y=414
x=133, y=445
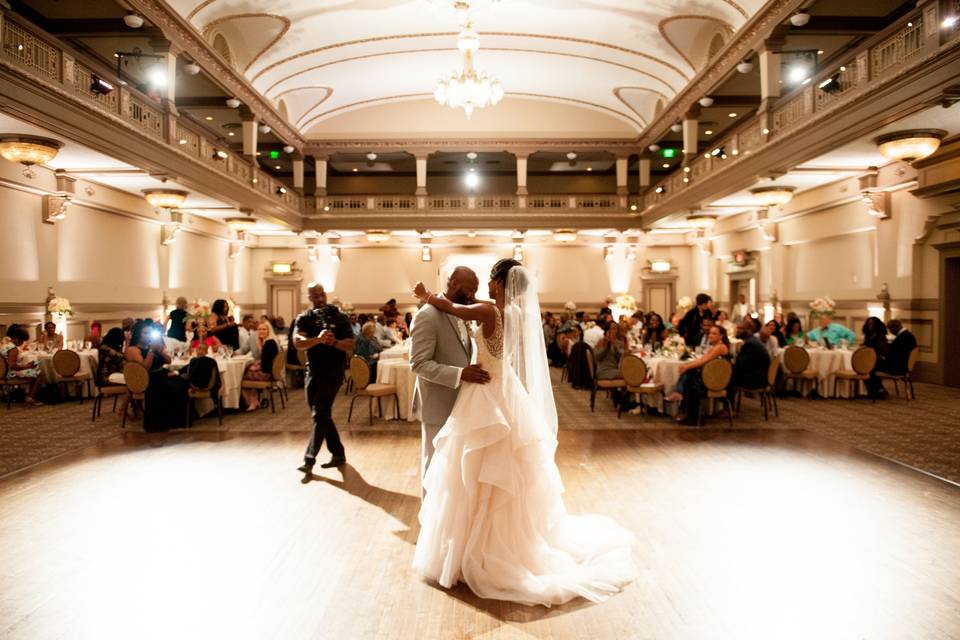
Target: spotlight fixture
x=133, y=20
x=772, y=196
x=745, y=67
x=565, y=236
x=165, y=198
x=281, y=190
x=653, y=148
x=233, y=103
x=156, y=76
x=708, y=132
x=666, y=165
x=378, y=236
x=191, y=68
x=660, y=190
x=706, y=101
x=676, y=127
x=219, y=154
x=800, y=18
x=831, y=84
x=472, y=180
x=910, y=145
x=208, y=118
x=288, y=149
x=472, y=155
x=425, y=254
x=633, y=207
x=100, y=86
x=571, y=156
x=264, y=129
x=371, y=156
x=732, y=114
x=719, y=152
x=798, y=73
x=950, y=22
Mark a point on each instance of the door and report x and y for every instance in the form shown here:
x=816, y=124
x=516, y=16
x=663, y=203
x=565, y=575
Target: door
x=659, y=298
x=949, y=319
x=285, y=301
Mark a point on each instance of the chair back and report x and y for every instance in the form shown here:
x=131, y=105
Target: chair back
x=136, y=377
x=912, y=359
x=772, y=371
x=360, y=372
x=302, y=356
x=3, y=369
x=279, y=362
x=66, y=363
x=716, y=374
x=796, y=359
x=214, y=376
x=633, y=370
x=863, y=360
x=591, y=364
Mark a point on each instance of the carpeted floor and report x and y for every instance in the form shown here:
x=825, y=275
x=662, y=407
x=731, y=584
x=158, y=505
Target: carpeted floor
x=924, y=434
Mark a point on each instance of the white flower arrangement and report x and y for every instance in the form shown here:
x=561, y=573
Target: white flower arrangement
x=675, y=346
x=570, y=306
x=346, y=307
x=60, y=306
x=627, y=303
x=684, y=304
x=197, y=311
x=824, y=306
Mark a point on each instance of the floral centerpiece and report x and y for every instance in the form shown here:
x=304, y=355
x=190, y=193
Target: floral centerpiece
x=675, y=346
x=627, y=303
x=822, y=307
x=61, y=306
x=346, y=307
x=684, y=304
x=570, y=306
x=197, y=311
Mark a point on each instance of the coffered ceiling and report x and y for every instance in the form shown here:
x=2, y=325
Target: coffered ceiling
x=343, y=68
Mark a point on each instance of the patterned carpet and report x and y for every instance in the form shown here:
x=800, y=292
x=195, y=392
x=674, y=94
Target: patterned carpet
x=924, y=434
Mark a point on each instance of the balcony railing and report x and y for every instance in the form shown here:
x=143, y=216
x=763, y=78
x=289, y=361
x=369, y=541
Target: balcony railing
x=480, y=203
x=42, y=57
x=880, y=59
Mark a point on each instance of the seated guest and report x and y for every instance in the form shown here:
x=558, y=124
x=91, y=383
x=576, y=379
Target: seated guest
x=10, y=351
x=830, y=333
x=355, y=325
x=875, y=336
x=608, y=352
x=279, y=324
x=898, y=353
x=224, y=328
x=127, y=326
x=390, y=308
x=201, y=335
x=592, y=334
x=166, y=399
x=753, y=358
x=723, y=320
x=261, y=370
x=654, y=333
x=177, y=321
x=393, y=326
x=50, y=338
x=690, y=388
x=768, y=339
x=775, y=329
x=794, y=332
x=248, y=336
x=110, y=357
x=383, y=335
x=691, y=326
x=566, y=338
x=703, y=340
x=368, y=347
x=674, y=322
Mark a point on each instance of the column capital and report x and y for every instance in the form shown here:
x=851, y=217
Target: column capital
x=246, y=114
x=693, y=112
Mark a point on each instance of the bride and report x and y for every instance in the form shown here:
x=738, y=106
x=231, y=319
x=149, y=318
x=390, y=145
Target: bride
x=493, y=515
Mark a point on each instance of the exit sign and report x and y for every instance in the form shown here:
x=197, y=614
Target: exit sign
x=274, y=155
x=668, y=153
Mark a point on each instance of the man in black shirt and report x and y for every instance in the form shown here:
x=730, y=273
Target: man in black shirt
x=327, y=336
x=692, y=324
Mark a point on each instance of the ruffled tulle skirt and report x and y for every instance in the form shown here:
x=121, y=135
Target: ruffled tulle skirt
x=493, y=514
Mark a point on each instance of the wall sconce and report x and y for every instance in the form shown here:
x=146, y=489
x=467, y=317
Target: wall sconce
x=518, y=253
x=55, y=208
x=425, y=254
x=608, y=252
x=881, y=310
x=632, y=252
x=236, y=248
x=312, y=254
x=168, y=234
x=334, y=253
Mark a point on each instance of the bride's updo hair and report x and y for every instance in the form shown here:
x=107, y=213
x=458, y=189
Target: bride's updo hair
x=502, y=268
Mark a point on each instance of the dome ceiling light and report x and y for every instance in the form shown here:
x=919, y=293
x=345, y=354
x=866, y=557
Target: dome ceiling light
x=745, y=67
x=911, y=145
x=800, y=19
x=378, y=236
x=706, y=101
x=772, y=196
x=264, y=128
x=701, y=222
x=565, y=236
x=165, y=198
x=133, y=20
x=233, y=103
x=28, y=150
x=191, y=68
x=241, y=224
x=654, y=148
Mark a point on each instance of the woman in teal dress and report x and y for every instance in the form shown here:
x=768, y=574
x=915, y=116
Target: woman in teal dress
x=10, y=351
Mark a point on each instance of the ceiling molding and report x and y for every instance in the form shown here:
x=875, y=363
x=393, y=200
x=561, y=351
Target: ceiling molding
x=189, y=40
x=616, y=93
x=239, y=16
x=728, y=28
x=429, y=145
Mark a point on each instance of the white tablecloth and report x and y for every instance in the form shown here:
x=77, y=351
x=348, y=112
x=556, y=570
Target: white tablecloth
x=398, y=351
x=231, y=375
x=88, y=364
x=826, y=363
x=397, y=371
x=665, y=371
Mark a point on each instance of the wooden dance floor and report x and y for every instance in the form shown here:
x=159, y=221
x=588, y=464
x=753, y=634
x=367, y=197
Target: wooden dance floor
x=746, y=534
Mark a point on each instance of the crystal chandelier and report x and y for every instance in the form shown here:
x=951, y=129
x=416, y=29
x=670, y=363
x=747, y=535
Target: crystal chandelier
x=465, y=87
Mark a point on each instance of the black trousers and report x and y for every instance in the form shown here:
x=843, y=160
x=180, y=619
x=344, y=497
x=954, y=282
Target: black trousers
x=321, y=392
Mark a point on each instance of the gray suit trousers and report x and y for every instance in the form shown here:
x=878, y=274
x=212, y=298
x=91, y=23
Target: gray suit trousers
x=427, y=433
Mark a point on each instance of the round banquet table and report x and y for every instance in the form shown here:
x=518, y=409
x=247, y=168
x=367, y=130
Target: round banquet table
x=231, y=376
x=826, y=362
x=662, y=370
x=397, y=371
x=396, y=352
x=88, y=364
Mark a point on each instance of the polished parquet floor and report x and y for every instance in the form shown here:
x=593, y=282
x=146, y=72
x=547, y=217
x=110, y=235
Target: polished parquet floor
x=740, y=534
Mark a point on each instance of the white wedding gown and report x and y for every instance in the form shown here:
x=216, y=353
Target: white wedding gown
x=493, y=515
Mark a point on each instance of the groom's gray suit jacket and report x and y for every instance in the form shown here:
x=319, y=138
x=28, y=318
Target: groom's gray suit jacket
x=436, y=356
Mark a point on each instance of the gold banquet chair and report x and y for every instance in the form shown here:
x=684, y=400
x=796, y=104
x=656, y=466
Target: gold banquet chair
x=606, y=385
x=906, y=378
x=274, y=384
x=796, y=362
x=137, y=379
x=11, y=383
x=66, y=364
x=360, y=371
x=205, y=393
x=768, y=399
x=863, y=361
x=633, y=370
x=107, y=391
x=716, y=376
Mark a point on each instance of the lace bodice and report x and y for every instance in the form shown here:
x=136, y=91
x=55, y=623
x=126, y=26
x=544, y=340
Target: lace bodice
x=490, y=350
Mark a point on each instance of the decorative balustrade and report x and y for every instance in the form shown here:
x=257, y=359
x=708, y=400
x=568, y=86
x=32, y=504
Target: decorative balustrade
x=479, y=203
x=31, y=51
x=886, y=55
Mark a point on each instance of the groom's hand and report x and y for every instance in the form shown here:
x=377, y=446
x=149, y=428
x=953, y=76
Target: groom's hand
x=475, y=373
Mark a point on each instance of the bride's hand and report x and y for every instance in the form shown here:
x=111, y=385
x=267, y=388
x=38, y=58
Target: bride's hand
x=420, y=292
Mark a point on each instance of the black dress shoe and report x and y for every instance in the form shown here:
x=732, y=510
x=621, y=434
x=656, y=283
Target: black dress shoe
x=307, y=466
x=335, y=461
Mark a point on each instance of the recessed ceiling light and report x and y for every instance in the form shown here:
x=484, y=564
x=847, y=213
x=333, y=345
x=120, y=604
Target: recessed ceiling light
x=732, y=115
x=472, y=155
x=708, y=132
x=208, y=118
x=666, y=165
x=589, y=168
x=355, y=169
x=819, y=52
x=276, y=166
x=231, y=133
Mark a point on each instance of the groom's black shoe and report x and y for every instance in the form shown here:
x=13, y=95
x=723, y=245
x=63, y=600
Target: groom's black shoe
x=335, y=461
x=307, y=466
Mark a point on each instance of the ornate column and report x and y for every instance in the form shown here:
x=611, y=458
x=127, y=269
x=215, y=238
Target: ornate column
x=769, y=78
x=522, y=179
x=168, y=93
x=249, y=129
x=643, y=169
x=320, y=190
x=298, y=172
x=421, y=191
x=690, y=134
x=622, y=191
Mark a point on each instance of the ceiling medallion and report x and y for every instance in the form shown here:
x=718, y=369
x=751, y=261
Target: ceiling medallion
x=465, y=87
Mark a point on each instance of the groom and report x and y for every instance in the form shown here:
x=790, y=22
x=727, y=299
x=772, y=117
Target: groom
x=440, y=355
